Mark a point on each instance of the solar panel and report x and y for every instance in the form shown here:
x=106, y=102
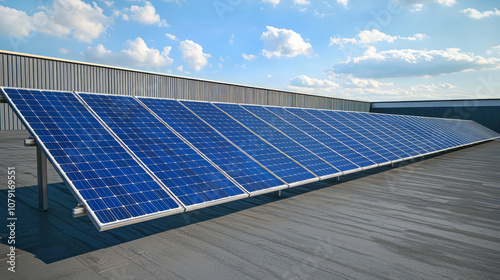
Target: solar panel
x=422, y=146
x=279, y=140
x=454, y=130
x=414, y=130
x=356, y=132
x=398, y=140
x=330, y=156
x=486, y=133
x=429, y=130
x=281, y=165
x=237, y=164
x=188, y=175
x=335, y=132
x=130, y=159
x=397, y=150
x=326, y=139
x=464, y=129
x=115, y=189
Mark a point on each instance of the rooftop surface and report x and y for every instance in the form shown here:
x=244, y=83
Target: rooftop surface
x=433, y=218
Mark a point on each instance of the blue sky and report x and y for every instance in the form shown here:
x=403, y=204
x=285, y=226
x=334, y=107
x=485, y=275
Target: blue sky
x=357, y=49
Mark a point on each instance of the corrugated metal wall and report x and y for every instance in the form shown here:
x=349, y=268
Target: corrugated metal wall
x=20, y=70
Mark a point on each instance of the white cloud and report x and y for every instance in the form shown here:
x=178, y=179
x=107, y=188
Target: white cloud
x=171, y=36
x=180, y=68
x=83, y=21
x=64, y=51
x=178, y=2
x=231, y=40
x=366, y=37
x=192, y=55
x=417, y=5
x=369, y=89
x=374, y=36
x=413, y=63
x=17, y=23
x=319, y=14
x=109, y=3
x=248, y=57
x=495, y=50
x=431, y=87
x=284, y=42
x=63, y=18
x=305, y=81
x=144, y=14
x=343, y=2
x=273, y=2
x=136, y=54
x=353, y=82
x=475, y=14
x=301, y=2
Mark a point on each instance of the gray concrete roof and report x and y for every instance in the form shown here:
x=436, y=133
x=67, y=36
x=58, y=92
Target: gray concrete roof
x=435, y=218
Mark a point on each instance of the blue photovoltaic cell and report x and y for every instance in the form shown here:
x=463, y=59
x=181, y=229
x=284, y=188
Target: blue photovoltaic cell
x=483, y=132
x=396, y=122
x=356, y=132
x=454, y=130
x=191, y=178
x=390, y=128
x=321, y=136
x=396, y=149
x=428, y=131
x=339, y=135
x=279, y=140
x=234, y=162
x=113, y=185
x=471, y=129
x=272, y=159
x=335, y=159
x=463, y=128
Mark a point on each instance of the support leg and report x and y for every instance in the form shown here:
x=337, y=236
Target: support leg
x=277, y=193
x=43, y=197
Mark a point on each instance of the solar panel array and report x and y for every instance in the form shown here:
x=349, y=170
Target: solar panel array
x=130, y=159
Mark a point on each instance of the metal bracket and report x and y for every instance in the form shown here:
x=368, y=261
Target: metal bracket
x=79, y=211
x=277, y=193
x=2, y=99
x=41, y=171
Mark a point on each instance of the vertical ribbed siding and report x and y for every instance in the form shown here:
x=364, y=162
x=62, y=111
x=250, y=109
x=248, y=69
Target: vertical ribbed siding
x=26, y=71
